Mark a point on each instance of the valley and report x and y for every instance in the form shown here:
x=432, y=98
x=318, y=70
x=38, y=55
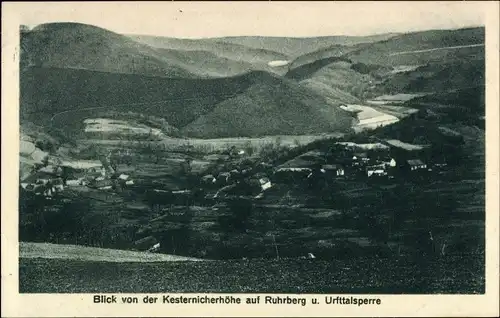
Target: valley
x=262, y=155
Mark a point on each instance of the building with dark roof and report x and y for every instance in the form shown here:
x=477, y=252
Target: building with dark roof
x=416, y=164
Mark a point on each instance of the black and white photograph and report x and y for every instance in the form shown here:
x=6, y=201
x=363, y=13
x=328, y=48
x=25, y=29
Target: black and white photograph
x=299, y=150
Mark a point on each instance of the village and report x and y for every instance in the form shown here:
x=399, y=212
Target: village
x=56, y=176
x=371, y=162
x=234, y=187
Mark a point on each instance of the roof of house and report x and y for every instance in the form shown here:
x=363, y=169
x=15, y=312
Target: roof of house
x=123, y=176
x=102, y=183
x=376, y=167
x=293, y=169
x=361, y=154
x=39, y=175
x=415, y=162
x=332, y=167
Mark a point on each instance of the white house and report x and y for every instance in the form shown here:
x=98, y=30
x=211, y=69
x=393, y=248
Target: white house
x=265, y=183
x=336, y=170
x=376, y=170
x=208, y=179
x=392, y=163
x=123, y=177
x=416, y=164
x=154, y=248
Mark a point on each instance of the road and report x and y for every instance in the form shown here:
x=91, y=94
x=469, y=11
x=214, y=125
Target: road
x=139, y=104
x=437, y=49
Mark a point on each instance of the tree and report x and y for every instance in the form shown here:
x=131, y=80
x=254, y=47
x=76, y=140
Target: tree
x=248, y=148
x=240, y=210
x=45, y=161
x=187, y=166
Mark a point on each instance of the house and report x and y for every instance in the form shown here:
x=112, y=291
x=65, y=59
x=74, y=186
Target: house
x=75, y=182
x=28, y=186
x=416, y=164
x=235, y=173
x=293, y=170
x=440, y=164
x=145, y=243
x=123, y=177
x=155, y=248
x=265, y=183
x=376, y=170
x=246, y=172
x=102, y=184
x=55, y=170
x=208, y=179
x=333, y=169
x=39, y=177
x=58, y=185
x=360, y=159
x=223, y=177
x=391, y=163
x=265, y=165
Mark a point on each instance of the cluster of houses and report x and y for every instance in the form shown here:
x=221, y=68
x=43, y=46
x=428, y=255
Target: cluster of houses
x=244, y=181
x=343, y=161
x=350, y=160
x=54, y=178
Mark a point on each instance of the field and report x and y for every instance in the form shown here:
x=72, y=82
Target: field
x=92, y=254
x=118, y=126
x=369, y=117
x=357, y=276
x=404, y=145
x=212, y=145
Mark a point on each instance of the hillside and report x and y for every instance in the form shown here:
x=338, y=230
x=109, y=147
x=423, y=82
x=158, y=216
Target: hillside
x=209, y=64
x=423, y=47
x=294, y=47
x=46, y=92
x=271, y=106
x=252, y=58
x=325, y=54
x=201, y=104
x=407, y=63
x=437, y=77
x=334, y=78
x=81, y=46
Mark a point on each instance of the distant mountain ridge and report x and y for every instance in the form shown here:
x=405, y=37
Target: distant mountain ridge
x=297, y=46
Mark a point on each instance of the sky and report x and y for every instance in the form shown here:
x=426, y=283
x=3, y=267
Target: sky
x=193, y=19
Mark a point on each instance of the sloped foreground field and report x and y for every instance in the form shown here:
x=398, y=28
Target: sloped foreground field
x=83, y=253
x=449, y=275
